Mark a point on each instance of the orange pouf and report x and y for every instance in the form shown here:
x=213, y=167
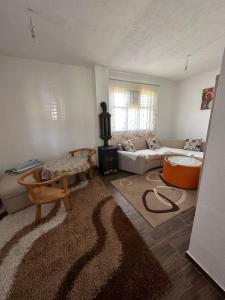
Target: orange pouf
x=182, y=174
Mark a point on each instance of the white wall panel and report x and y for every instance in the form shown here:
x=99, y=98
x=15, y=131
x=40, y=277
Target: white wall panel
x=46, y=109
x=189, y=121
x=207, y=245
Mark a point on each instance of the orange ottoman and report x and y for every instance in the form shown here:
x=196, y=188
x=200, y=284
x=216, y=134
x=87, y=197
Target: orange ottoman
x=181, y=171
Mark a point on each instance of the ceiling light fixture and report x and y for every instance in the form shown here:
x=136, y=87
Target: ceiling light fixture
x=31, y=26
x=187, y=62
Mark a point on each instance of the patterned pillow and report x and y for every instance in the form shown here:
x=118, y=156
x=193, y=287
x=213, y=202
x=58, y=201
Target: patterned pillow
x=139, y=143
x=128, y=146
x=153, y=143
x=193, y=145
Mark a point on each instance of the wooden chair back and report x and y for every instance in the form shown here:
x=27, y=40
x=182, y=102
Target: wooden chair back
x=37, y=182
x=90, y=153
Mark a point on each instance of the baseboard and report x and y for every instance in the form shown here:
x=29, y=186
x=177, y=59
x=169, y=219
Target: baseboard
x=204, y=273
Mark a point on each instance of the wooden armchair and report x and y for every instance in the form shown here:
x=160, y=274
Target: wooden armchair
x=41, y=192
x=90, y=152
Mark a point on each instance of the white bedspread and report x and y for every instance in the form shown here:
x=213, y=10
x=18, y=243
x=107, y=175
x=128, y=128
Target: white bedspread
x=148, y=153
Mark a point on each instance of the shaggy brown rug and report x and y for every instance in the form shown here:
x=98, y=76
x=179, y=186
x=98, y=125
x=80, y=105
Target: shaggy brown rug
x=153, y=199
x=93, y=252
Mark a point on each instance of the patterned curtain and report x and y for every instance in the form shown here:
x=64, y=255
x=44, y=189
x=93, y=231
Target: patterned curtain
x=133, y=109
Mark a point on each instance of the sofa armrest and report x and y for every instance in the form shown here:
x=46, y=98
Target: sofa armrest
x=131, y=162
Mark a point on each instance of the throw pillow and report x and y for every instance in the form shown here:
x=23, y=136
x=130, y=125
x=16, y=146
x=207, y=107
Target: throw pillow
x=193, y=144
x=153, y=143
x=139, y=143
x=128, y=146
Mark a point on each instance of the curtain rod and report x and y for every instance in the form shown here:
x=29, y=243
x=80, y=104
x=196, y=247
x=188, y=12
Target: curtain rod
x=134, y=82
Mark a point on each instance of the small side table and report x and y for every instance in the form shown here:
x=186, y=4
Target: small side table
x=108, y=159
x=181, y=171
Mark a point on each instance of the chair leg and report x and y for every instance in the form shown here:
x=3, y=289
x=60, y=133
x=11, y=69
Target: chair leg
x=38, y=213
x=82, y=176
x=67, y=203
x=90, y=173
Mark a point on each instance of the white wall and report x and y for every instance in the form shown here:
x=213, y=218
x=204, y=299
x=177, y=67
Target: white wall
x=101, y=85
x=29, y=92
x=165, y=99
x=189, y=120
x=207, y=245
x=102, y=94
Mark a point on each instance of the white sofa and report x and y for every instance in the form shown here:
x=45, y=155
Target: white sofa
x=144, y=159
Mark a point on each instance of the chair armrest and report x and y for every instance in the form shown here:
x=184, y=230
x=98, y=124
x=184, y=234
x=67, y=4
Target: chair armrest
x=21, y=181
x=90, y=153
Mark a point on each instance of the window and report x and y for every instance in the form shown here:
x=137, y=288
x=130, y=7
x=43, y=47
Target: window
x=57, y=109
x=132, y=106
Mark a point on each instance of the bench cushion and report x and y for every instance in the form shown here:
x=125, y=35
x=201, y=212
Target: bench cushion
x=9, y=187
x=13, y=195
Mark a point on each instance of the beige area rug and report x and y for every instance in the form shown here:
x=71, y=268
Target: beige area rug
x=89, y=253
x=153, y=199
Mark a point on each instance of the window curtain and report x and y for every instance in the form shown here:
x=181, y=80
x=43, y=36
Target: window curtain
x=133, y=108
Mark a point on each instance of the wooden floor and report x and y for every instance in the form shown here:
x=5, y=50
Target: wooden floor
x=168, y=242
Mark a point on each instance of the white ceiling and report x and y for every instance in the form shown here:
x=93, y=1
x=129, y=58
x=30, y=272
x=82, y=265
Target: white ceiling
x=142, y=36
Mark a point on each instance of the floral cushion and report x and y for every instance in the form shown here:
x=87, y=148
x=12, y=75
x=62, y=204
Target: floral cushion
x=69, y=164
x=128, y=146
x=193, y=144
x=153, y=143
